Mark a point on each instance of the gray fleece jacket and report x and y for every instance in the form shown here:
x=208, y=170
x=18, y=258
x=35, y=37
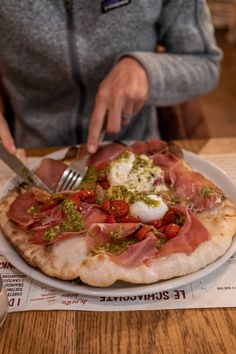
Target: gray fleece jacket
x=54, y=54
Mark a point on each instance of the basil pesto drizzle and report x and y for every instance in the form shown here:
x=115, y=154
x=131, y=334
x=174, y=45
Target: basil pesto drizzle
x=121, y=192
x=72, y=222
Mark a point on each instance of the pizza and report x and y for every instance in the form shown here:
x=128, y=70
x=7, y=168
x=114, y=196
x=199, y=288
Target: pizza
x=140, y=215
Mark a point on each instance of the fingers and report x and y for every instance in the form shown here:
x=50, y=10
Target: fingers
x=6, y=136
x=96, y=124
x=127, y=112
x=122, y=93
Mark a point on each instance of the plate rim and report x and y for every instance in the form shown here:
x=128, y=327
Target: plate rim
x=128, y=289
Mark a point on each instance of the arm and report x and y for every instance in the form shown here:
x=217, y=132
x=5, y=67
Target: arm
x=190, y=66
x=5, y=134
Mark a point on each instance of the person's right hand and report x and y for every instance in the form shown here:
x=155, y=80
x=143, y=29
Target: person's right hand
x=5, y=135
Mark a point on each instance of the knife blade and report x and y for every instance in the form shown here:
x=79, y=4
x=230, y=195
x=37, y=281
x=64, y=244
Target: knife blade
x=21, y=169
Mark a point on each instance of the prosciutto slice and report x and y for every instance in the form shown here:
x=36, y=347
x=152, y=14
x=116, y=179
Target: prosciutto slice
x=92, y=214
x=138, y=253
x=187, y=183
x=37, y=237
x=45, y=220
x=50, y=171
x=190, y=185
x=150, y=147
x=192, y=234
x=101, y=234
x=106, y=153
x=18, y=210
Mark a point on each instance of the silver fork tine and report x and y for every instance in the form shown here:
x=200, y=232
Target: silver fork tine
x=68, y=182
x=74, y=174
x=71, y=176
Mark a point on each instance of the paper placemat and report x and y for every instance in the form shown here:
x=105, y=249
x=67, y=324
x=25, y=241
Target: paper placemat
x=218, y=289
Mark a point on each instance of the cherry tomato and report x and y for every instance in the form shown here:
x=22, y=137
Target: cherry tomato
x=104, y=184
x=85, y=193
x=119, y=208
x=129, y=218
x=90, y=199
x=75, y=198
x=162, y=228
x=106, y=204
x=169, y=217
x=157, y=223
x=171, y=230
x=140, y=235
x=110, y=219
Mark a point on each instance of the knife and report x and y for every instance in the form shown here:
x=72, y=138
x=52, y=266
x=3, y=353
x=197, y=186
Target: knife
x=21, y=169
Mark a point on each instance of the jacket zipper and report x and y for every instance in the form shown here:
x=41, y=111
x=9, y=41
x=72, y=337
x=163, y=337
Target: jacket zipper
x=68, y=4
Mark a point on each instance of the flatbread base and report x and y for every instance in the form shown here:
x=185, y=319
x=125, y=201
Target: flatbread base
x=70, y=259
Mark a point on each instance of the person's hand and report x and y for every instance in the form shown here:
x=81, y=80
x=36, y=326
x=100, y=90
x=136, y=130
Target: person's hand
x=122, y=93
x=5, y=135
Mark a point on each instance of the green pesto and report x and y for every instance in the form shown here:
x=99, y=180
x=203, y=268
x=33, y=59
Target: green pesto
x=90, y=179
x=141, y=163
x=121, y=193
x=117, y=232
x=206, y=191
x=160, y=242
x=179, y=219
x=116, y=192
x=104, y=172
x=33, y=210
x=72, y=222
x=115, y=249
x=124, y=156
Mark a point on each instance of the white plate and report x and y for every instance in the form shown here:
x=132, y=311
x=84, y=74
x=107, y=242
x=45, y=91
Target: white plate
x=120, y=288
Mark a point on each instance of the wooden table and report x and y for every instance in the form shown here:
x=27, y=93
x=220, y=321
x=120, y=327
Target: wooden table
x=164, y=331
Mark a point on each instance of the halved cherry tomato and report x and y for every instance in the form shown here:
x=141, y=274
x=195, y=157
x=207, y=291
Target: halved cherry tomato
x=171, y=230
x=118, y=208
x=129, y=218
x=106, y=204
x=162, y=228
x=85, y=195
x=140, y=235
x=169, y=217
x=157, y=223
x=110, y=219
x=75, y=198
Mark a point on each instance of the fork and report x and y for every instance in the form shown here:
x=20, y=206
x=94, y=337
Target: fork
x=74, y=174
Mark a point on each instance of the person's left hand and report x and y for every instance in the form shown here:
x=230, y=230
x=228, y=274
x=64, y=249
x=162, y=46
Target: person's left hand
x=122, y=93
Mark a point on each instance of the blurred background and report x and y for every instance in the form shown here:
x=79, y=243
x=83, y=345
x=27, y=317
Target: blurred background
x=219, y=106
x=213, y=115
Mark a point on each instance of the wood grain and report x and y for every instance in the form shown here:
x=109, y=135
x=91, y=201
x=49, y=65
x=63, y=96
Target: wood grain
x=165, y=331
x=195, y=331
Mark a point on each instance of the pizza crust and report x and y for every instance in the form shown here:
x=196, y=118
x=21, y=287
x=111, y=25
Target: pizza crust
x=101, y=271
x=69, y=259
x=61, y=259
